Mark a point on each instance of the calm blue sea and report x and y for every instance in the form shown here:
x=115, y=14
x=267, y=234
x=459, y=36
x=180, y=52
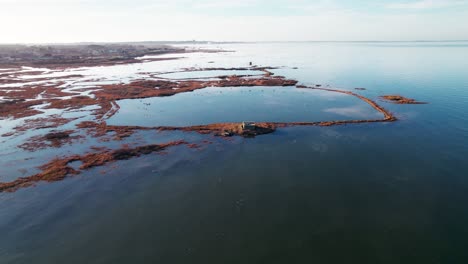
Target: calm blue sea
x=368, y=193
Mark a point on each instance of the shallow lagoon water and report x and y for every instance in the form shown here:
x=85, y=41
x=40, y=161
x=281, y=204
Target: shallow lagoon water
x=236, y=104
x=367, y=193
x=207, y=74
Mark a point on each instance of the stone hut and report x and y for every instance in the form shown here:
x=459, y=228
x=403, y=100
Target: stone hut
x=248, y=125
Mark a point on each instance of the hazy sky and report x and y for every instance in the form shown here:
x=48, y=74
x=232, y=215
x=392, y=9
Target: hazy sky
x=241, y=20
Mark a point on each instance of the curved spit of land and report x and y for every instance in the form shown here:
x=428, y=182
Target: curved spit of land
x=106, y=98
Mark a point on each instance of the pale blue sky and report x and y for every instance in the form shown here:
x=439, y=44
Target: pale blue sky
x=241, y=20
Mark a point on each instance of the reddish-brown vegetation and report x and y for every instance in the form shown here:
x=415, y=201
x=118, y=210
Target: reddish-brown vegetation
x=18, y=108
x=155, y=88
x=106, y=97
x=52, y=139
x=19, y=102
x=227, y=129
x=52, y=121
x=398, y=99
x=59, y=168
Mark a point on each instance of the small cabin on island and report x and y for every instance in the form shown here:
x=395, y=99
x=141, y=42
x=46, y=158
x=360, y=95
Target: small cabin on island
x=248, y=125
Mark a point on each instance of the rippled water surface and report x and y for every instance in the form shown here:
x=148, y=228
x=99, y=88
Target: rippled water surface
x=367, y=193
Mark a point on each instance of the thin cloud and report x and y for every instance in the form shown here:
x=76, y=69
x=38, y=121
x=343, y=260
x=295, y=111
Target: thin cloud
x=426, y=4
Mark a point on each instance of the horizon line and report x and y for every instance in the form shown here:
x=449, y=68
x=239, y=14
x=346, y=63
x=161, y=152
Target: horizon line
x=221, y=42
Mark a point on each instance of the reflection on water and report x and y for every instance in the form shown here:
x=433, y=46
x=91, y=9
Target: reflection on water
x=369, y=193
x=237, y=104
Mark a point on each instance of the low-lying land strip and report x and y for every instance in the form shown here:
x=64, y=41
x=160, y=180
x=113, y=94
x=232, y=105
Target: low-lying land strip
x=19, y=103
